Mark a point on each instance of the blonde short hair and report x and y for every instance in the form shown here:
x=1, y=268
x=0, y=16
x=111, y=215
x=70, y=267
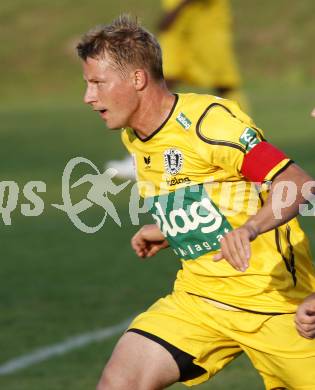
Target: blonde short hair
x=127, y=43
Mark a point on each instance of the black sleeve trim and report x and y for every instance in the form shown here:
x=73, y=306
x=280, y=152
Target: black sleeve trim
x=289, y=262
x=221, y=142
x=281, y=170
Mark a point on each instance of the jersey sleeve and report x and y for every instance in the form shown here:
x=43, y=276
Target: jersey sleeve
x=230, y=140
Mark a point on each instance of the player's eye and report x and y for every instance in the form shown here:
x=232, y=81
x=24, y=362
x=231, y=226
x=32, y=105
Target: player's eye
x=101, y=83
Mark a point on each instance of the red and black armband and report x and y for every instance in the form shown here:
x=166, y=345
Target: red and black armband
x=261, y=160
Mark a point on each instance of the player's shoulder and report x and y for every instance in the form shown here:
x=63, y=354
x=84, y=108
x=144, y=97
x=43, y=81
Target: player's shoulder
x=222, y=119
x=203, y=104
x=218, y=122
x=197, y=99
x=193, y=105
x=211, y=112
x=224, y=109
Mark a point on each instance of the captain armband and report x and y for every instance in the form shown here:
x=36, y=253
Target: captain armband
x=260, y=162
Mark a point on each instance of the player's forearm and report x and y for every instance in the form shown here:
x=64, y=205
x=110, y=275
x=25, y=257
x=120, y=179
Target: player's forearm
x=287, y=186
x=153, y=232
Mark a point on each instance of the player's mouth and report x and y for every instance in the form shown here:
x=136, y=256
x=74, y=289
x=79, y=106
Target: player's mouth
x=103, y=112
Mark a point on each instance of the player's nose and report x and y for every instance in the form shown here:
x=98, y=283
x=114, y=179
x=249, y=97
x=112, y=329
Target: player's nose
x=89, y=96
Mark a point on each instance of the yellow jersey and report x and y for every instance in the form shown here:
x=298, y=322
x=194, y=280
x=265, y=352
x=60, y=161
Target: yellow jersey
x=204, y=172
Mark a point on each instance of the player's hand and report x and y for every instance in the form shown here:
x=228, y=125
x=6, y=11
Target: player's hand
x=235, y=247
x=305, y=317
x=148, y=241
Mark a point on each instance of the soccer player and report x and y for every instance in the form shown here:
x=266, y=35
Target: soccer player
x=196, y=42
x=225, y=200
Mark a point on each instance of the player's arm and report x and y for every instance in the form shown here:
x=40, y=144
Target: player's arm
x=235, y=246
x=169, y=17
x=148, y=241
x=305, y=314
x=237, y=146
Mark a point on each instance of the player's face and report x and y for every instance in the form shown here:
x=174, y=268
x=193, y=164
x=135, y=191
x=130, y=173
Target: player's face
x=109, y=92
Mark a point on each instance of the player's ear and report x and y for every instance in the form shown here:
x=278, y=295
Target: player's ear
x=140, y=79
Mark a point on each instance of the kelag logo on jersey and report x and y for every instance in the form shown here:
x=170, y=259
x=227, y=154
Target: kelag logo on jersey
x=191, y=222
x=249, y=139
x=183, y=121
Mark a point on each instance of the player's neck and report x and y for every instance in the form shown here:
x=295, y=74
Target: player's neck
x=154, y=108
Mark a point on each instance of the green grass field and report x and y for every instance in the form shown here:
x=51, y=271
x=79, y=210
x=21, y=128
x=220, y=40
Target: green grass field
x=57, y=282
x=274, y=40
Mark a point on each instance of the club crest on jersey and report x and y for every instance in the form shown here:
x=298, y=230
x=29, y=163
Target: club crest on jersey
x=173, y=161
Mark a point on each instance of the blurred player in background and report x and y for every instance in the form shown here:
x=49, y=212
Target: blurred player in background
x=196, y=41
x=247, y=273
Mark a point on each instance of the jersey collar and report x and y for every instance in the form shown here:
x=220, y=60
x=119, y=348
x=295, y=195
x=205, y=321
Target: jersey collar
x=162, y=125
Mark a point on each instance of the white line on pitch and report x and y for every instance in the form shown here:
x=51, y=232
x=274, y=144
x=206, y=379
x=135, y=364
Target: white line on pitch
x=65, y=346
